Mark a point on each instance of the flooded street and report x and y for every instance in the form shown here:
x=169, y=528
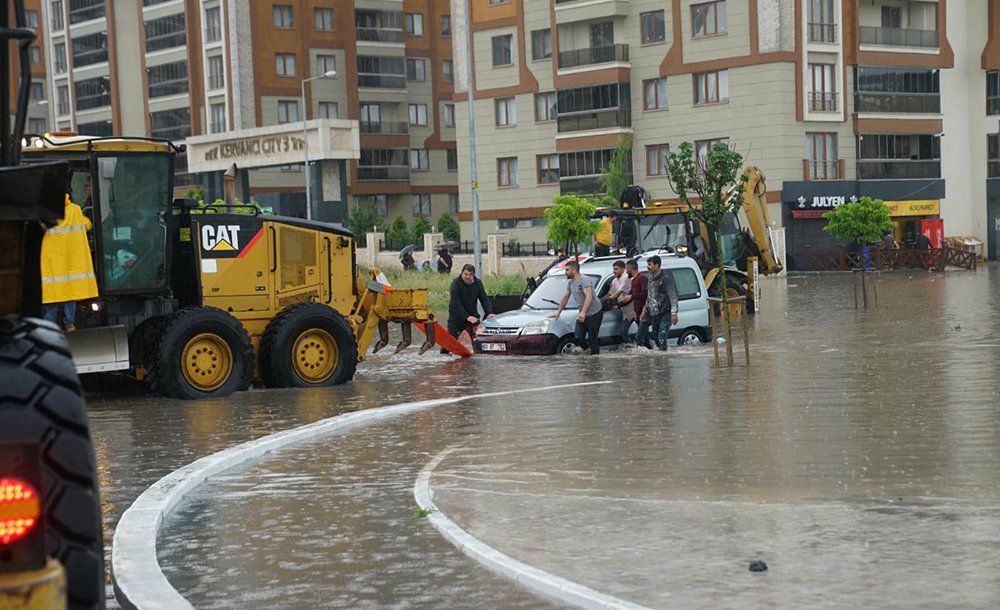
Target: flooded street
x=858, y=456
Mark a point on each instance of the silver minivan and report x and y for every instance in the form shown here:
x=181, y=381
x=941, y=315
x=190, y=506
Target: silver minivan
x=529, y=330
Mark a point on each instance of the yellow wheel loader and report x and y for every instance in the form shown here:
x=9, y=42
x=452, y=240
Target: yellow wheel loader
x=203, y=304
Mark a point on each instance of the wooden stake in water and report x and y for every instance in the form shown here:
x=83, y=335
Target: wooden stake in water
x=715, y=331
x=746, y=338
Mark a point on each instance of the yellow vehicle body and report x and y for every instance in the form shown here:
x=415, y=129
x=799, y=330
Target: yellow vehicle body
x=41, y=589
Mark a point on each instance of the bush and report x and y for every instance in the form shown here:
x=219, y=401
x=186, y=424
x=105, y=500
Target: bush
x=364, y=217
x=420, y=226
x=397, y=235
x=449, y=227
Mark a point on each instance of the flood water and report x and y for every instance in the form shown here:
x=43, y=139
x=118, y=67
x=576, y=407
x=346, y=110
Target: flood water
x=858, y=456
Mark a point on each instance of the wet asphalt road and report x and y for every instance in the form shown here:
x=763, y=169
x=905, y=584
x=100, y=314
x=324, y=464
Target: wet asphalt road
x=858, y=456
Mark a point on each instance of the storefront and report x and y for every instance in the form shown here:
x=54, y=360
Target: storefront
x=993, y=219
x=804, y=204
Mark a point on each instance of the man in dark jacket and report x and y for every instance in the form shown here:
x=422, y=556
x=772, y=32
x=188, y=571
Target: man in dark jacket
x=661, y=306
x=463, y=313
x=637, y=297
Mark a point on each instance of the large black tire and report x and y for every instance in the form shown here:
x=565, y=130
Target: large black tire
x=200, y=352
x=735, y=286
x=308, y=345
x=41, y=404
x=568, y=345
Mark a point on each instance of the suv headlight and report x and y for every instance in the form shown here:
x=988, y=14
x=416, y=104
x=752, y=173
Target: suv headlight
x=539, y=327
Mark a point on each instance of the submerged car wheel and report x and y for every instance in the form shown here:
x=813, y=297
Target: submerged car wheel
x=690, y=337
x=568, y=345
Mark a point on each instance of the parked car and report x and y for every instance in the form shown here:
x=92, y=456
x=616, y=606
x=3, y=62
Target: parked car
x=529, y=330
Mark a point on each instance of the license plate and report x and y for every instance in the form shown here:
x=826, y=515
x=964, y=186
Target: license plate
x=494, y=347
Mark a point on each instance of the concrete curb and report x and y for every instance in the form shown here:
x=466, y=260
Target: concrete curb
x=535, y=580
x=139, y=583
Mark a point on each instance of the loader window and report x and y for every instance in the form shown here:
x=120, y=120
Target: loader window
x=297, y=258
x=732, y=239
x=662, y=230
x=133, y=190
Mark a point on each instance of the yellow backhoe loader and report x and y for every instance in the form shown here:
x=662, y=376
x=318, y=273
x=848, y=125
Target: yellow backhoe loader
x=202, y=305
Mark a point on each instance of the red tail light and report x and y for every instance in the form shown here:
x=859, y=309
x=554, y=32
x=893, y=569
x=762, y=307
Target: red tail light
x=19, y=509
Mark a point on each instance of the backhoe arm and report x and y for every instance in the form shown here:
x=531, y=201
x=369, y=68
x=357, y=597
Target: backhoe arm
x=755, y=208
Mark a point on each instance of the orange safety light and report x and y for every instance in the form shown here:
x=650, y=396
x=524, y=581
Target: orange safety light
x=19, y=509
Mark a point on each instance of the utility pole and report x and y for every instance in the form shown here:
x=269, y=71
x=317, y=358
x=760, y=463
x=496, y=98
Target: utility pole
x=478, y=257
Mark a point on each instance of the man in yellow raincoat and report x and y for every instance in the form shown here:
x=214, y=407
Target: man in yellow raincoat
x=67, y=267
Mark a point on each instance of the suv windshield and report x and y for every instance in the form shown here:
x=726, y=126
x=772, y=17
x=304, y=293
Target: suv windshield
x=550, y=292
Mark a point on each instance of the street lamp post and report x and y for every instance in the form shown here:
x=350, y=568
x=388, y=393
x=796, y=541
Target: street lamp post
x=305, y=138
x=478, y=258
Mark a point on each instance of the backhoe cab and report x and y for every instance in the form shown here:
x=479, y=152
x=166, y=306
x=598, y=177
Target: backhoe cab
x=203, y=304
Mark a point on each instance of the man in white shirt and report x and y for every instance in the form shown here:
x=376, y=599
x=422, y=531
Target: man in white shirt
x=621, y=289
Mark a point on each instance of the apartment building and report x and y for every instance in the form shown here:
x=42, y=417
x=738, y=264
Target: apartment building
x=833, y=99
x=38, y=99
x=205, y=69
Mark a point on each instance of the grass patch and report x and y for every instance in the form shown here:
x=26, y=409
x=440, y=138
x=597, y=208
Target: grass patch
x=422, y=513
x=438, y=285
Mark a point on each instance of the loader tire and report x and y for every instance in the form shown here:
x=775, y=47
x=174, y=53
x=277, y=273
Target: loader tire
x=308, y=345
x=200, y=352
x=41, y=404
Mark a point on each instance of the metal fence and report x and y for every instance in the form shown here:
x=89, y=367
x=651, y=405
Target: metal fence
x=532, y=249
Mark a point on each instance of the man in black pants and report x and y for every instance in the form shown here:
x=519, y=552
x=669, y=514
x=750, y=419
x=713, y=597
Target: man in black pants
x=588, y=321
x=463, y=312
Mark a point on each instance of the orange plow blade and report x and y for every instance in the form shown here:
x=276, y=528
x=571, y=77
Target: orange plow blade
x=443, y=338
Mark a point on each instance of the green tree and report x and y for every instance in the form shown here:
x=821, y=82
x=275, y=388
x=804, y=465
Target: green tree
x=618, y=174
x=195, y=192
x=364, y=217
x=717, y=180
x=398, y=235
x=864, y=221
x=420, y=226
x=569, y=221
x=449, y=227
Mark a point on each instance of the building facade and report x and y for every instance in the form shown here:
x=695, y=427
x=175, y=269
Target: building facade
x=181, y=68
x=832, y=99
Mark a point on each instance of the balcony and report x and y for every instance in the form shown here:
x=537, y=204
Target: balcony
x=593, y=55
x=581, y=185
x=899, y=169
x=609, y=118
x=899, y=37
x=385, y=128
x=571, y=11
x=822, y=32
x=822, y=101
x=364, y=34
x=383, y=172
x=382, y=81
x=923, y=103
x=823, y=170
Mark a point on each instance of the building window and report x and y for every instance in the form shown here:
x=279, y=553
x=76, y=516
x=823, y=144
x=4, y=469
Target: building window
x=165, y=33
x=448, y=71
x=453, y=204
x=323, y=19
x=890, y=90
x=541, y=44
x=419, y=160
x=711, y=87
x=821, y=156
x=92, y=93
x=167, y=79
x=283, y=16
x=548, y=169
x=701, y=148
x=654, y=94
x=90, y=49
x=657, y=159
x=545, y=106
x=822, y=21
x=170, y=124
x=85, y=10
x=422, y=204
x=37, y=91
x=413, y=24
x=328, y=110
x=506, y=112
x=62, y=99
x=507, y=171
x=36, y=55
x=446, y=25
x=993, y=155
x=416, y=69
x=993, y=92
x=502, y=46
x=325, y=63
x=653, y=29
x=57, y=15
x=708, y=19
x=36, y=126
x=216, y=75
x=381, y=71
x=892, y=17
x=218, y=123
x=288, y=111
x=371, y=118
x=213, y=24
x=449, y=115
x=452, y=157
x=822, y=88
x=418, y=114
x=59, y=52
x=285, y=64
x=31, y=19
